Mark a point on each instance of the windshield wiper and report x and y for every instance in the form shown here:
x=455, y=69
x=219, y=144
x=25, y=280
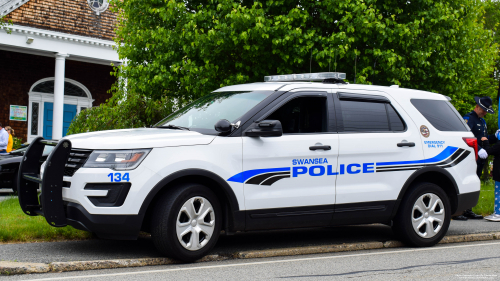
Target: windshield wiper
x=171, y=126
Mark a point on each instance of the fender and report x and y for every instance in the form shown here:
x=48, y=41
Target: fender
x=416, y=174
x=236, y=216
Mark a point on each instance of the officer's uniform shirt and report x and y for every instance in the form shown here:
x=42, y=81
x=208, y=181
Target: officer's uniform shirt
x=478, y=127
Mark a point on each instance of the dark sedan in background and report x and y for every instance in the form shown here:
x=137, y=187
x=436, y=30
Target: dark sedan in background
x=9, y=166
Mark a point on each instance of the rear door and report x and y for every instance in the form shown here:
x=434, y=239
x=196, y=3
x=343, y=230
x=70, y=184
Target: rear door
x=377, y=143
x=443, y=130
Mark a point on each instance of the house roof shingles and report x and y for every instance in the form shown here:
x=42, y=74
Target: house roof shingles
x=69, y=16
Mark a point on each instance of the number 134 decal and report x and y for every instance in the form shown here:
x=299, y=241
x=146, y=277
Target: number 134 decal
x=118, y=177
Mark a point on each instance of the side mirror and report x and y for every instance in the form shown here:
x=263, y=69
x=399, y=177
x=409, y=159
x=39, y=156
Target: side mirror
x=266, y=128
x=223, y=126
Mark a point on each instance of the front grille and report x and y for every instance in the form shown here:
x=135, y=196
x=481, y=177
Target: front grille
x=77, y=157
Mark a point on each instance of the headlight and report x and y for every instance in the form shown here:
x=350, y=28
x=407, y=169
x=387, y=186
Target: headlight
x=116, y=159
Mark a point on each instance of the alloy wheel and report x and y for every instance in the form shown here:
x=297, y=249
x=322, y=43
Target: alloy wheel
x=195, y=223
x=428, y=215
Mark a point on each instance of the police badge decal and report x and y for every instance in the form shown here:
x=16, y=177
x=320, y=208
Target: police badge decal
x=424, y=131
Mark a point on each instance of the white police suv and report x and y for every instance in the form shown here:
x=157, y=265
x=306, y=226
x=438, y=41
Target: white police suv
x=280, y=154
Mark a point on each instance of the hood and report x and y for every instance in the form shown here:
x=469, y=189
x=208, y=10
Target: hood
x=7, y=159
x=138, y=138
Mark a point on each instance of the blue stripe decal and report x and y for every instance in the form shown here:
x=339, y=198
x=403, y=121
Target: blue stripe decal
x=447, y=152
x=244, y=176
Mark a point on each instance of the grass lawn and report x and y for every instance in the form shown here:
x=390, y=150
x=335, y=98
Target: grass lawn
x=15, y=226
x=486, y=199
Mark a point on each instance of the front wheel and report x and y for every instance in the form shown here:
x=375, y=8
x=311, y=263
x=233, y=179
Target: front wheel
x=186, y=222
x=424, y=216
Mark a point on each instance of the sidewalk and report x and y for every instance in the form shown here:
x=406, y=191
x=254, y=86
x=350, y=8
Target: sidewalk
x=91, y=250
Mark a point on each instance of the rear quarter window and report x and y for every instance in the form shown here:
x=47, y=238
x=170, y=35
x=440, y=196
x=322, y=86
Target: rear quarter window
x=441, y=114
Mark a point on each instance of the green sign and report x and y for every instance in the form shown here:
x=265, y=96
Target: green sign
x=18, y=113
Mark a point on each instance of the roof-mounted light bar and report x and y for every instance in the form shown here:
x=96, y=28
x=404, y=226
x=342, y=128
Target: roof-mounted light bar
x=320, y=76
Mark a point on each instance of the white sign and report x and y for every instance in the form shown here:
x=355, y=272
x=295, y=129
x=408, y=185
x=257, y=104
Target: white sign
x=18, y=113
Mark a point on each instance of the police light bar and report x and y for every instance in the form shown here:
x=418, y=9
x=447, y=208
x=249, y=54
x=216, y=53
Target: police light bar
x=320, y=76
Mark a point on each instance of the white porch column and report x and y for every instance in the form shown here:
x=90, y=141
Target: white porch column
x=57, y=118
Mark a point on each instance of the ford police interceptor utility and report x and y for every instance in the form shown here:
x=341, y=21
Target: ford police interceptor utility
x=285, y=153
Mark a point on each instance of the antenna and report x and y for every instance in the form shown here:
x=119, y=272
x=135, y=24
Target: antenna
x=355, y=60
x=335, y=60
x=310, y=61
x=330, y=61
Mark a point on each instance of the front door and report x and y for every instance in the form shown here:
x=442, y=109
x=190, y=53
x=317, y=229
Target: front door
x=290, y=180
x=68, y=115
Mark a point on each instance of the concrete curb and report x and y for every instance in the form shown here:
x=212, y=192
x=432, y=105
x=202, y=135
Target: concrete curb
x=10, y=268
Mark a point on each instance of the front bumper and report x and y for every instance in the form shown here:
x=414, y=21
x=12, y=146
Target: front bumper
x=95, y=195
x=466, y=201
x=117, y=227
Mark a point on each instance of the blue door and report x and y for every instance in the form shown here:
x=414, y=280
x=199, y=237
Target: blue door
x=68, y=115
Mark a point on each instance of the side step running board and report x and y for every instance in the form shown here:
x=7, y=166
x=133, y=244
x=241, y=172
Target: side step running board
x=50, y=204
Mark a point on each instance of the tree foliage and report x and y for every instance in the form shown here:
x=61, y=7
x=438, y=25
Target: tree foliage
x=123, y=110
x=182, y=50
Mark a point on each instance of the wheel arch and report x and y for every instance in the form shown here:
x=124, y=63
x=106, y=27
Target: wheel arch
x=433, y=174
x=233, y=217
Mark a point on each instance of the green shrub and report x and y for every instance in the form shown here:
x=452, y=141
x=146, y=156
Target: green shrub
x=17, y=143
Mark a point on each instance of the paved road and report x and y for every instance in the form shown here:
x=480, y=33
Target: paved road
x=143, y=247
x=466, y=261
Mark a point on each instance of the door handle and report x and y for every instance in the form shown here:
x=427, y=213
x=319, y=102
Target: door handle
x=316, y=147
x=410, y=144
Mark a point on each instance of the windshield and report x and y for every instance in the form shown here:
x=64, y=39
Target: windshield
x=202, y=114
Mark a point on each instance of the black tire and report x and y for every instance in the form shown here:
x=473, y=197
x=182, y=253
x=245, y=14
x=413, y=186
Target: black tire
x=403, y=222
x=14, y=184
x=164, y=221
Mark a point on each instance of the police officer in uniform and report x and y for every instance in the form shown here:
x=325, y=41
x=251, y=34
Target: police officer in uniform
x=478, y=127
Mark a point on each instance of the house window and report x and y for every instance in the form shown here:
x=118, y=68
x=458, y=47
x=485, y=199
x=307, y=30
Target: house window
x=34, y=118
x=98, y=6
x=70, y=89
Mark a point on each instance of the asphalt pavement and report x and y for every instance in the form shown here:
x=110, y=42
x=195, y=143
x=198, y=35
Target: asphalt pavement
x=464, y=261
x=96, y=249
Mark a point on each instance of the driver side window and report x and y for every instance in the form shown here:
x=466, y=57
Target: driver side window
x=302, y=115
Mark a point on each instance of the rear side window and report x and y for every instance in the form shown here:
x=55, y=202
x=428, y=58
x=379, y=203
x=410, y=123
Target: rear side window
x=361, y=116
x=441, y=114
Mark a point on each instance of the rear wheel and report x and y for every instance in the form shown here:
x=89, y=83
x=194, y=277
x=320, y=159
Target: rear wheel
x=186, y=222
x=424, y=215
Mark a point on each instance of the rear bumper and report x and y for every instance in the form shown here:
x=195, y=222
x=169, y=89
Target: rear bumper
x=466, y=201
x=118, y=227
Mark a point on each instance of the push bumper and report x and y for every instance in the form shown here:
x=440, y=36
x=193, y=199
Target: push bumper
x=466, y=201
x=50, y=203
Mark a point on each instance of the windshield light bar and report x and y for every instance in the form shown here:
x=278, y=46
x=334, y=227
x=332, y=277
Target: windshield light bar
x=320, y=76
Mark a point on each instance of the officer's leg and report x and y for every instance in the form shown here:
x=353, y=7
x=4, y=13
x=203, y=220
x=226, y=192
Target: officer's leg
x=469, y=213
x=480, y=164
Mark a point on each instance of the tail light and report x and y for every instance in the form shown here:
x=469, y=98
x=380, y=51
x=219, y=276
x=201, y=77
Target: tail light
x=472, y=142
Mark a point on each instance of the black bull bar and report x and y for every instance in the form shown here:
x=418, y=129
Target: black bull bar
x=50, y=203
